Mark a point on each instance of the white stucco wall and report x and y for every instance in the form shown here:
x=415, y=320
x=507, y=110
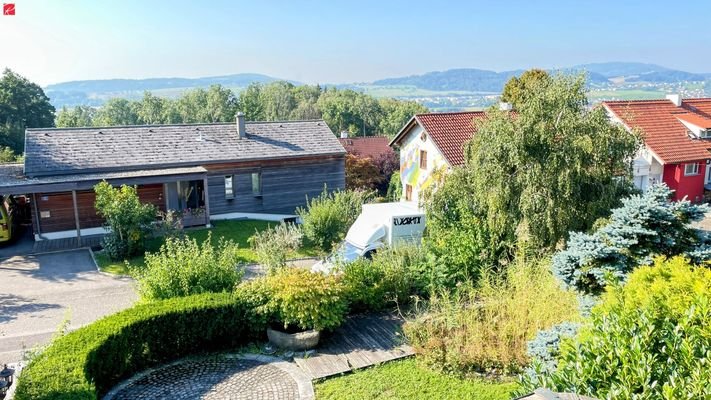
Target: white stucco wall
x=410, y=171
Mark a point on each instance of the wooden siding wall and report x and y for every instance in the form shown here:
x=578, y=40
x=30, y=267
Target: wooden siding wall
x=61, y=208
x=285, y=184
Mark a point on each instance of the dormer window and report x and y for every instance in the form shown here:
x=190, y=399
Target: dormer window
x=706, y=133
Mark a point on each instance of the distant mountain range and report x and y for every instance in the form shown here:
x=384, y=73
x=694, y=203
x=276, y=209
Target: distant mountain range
x=610, y=76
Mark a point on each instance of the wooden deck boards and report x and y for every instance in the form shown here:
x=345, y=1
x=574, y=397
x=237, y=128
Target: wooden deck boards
x=51, y=245
x=362, y=341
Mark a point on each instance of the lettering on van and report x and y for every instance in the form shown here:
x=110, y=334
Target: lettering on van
x=407, y=221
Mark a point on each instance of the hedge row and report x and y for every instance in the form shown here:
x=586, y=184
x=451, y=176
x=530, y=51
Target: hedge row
x=87, y=363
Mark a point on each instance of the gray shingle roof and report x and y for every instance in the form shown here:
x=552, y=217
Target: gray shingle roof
x=72, y=150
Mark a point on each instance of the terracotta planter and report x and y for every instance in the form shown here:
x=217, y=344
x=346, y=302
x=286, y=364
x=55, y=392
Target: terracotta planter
x=294, y=341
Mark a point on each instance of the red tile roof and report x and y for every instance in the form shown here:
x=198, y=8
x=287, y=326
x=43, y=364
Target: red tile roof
x=449, y=131
x=695, y=119
x=663, y=133
x=368, y=146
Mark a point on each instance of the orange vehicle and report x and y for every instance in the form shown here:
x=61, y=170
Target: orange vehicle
x=7, y=222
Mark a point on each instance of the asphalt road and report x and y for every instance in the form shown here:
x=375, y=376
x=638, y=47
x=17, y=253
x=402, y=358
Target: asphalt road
x=38, y=292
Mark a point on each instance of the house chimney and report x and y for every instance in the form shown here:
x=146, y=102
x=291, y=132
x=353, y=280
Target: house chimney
x=344, y=134
x=505, y=106
x=241, y=129
x=675, y=98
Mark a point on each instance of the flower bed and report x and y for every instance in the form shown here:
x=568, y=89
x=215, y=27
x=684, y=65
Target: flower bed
x=86, y=363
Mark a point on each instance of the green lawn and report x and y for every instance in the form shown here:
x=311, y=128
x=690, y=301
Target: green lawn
x=236, y=230
x=404, y=379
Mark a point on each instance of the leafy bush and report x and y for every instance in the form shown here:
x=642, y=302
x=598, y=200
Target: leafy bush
x=183, y=267
x=326, y=218
x=394, y=192
x=88, y=362
x=302, y=299
x=486, y=328
x=273, y=245
x=645, y=226
x=128, y=220
x=390, y=278
x=362, y=173
x=649, y=339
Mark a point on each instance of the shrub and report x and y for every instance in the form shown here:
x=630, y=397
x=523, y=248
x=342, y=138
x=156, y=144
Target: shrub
x=273, y=245
x=394, y=187
x=486, y=328
x=649, y=339
x=362, y=173
x=183, y=267
x=645, y=226
x=86, y=363
x=302, y=299
x=128, y=220
x=326, y=218
x=391, y=277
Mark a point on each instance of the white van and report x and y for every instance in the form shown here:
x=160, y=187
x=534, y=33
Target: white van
x=378, y=225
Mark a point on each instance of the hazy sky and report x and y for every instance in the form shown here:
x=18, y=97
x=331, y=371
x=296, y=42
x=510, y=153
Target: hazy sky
x=336, y=41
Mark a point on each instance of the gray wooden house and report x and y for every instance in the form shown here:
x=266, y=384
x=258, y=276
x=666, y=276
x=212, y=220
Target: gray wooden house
x=208, y=171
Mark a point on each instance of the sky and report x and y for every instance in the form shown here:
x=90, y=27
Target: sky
x=50, y=41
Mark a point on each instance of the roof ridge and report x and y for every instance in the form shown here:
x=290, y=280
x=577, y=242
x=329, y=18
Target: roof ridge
x=166, y=125
x=452, y=112
x=638, y=101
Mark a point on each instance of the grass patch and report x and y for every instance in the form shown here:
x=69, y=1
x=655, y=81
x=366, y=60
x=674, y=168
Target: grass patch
x=238, y=231
x=405, y=379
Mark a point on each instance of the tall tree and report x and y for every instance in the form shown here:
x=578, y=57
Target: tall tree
x=75, y=117
x=396, y=113
x=552, y=168
x=117, y=112
x=23, y=104
x=151, y=109
x=518, y=88
x=250, y=101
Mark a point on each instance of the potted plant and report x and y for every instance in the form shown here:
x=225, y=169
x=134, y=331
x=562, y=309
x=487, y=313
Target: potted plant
x=302, y=304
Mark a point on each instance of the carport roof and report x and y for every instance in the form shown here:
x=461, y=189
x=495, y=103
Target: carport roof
x=13, y=180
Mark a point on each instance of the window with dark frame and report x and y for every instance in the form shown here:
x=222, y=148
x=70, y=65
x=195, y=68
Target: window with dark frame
x=691, y=169
x=257, y=184
x=229, y=188
x=423, y=159
x=408, y=192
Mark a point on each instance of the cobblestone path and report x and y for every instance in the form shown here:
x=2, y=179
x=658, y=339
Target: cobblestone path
x=217, y=377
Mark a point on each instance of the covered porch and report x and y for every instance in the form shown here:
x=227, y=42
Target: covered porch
x=62, y=206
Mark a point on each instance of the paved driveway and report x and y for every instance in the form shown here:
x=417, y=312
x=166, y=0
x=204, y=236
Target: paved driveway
x=38, y=292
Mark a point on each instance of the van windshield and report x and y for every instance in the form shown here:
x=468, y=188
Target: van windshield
x=346, y=252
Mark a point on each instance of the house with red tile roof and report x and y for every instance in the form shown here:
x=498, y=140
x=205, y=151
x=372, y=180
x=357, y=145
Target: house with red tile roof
x=372, y=147
x=677, y=139
x=429, y=142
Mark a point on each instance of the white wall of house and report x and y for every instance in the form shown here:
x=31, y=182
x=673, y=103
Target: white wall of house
x=410, y=172
x=647, y=170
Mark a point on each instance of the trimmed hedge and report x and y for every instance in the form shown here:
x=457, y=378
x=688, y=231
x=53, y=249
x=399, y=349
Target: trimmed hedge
x=87, y=363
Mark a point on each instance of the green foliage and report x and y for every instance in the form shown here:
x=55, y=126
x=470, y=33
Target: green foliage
x=86, y=363
x=390, y=278
x=645, y=226
x=23, y=105
x=650, y=339
x=273, y=245
x=127, y=218
x=552, y=169
x=275, y=101
x=182, y=267
x=78, y=116
x=404, y=379
x=304, y=299
x=486, y=328
x=394, y=187
x=519, y=89
x=456, y=235
x=8, y=156
x=326, y=218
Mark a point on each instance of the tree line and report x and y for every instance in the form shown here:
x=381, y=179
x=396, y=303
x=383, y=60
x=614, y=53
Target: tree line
x=342, y=109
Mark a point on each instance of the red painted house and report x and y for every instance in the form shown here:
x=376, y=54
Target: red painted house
x=677, y=138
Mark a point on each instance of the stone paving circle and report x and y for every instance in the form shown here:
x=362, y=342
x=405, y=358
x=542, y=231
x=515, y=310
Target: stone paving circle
x=234, y=377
